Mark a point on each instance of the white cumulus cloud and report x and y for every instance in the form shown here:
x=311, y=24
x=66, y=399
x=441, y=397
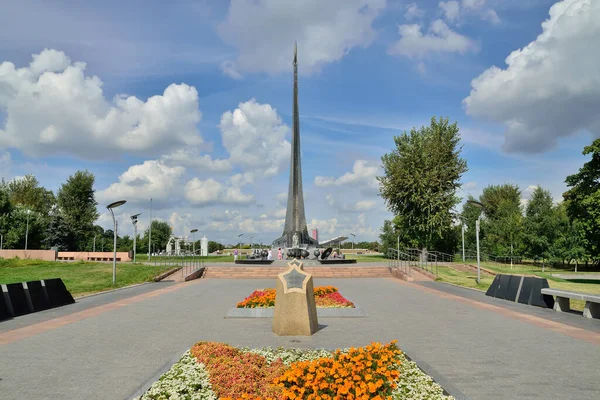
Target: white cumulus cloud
x=140, y=182
x=413, y=11
x=440, y=38
x=209, y=192
x=52, y=107
x=254, y=136
x=450, y=9
x=264, y=32
x=359, y=206
x=551, y=87
x=363, y=175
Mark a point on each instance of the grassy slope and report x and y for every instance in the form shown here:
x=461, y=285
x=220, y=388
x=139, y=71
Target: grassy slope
x=79, y=277
x=467, y=279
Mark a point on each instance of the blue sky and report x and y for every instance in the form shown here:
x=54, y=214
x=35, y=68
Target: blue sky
x=190, y=102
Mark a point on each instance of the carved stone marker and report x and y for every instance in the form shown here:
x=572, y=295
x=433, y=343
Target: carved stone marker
x=295, y=311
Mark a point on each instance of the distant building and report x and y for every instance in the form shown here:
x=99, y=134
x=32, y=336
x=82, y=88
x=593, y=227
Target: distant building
x=315, y=234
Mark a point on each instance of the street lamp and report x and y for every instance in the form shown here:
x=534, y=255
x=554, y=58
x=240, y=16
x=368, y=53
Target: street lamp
x=480, y=205
x=464, y=229
x=193, y=241
x=110, y=208
x=134, y=220
x=94, y=248
x=150, y=232
x=240, y=243
x=353, y=237
x=27, y=229
x=251, y=243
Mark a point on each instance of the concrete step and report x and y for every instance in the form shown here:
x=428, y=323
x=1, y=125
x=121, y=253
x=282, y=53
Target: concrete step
x=317, y=272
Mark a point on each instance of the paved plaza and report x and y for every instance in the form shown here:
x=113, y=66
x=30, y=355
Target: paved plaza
x=109, y=346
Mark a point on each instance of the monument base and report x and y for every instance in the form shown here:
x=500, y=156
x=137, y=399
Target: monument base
x=254, y=261
x=337, y=261
x=295, y=311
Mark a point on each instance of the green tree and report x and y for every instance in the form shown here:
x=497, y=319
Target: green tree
x=212, y=246
x=421, y=176
x=16, y=229
x=468, y=216
x=388, y=237
x=57, y=232
x=494, y=196
x=583, y=199
x=568, y=245
x=27, y=192
x=78, y=207
x=502, y=226
x=540, y=225
x=161, y=232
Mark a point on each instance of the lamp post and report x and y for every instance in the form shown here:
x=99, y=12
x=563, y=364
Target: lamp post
x=464, y=228
x=134, y=220
x=251, y=243
x=240, y=244
x=193, y=241
x=110, y=208
x=94, y=247
x=27, y=229
x=353, y=237
x=150, y=232
x=477, y=223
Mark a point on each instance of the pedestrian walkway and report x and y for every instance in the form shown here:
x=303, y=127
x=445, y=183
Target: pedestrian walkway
x=109, y=348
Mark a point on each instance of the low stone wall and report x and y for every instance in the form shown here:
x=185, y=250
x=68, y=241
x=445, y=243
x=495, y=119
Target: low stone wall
x=45, y=255
x=92, y=256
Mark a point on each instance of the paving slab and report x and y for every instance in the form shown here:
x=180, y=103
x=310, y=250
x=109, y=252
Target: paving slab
x=110, y=350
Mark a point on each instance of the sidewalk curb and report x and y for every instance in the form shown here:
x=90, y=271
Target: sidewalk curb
x=111, y=290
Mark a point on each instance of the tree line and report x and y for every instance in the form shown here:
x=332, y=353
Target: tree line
x=67, y=220
x=423, y=173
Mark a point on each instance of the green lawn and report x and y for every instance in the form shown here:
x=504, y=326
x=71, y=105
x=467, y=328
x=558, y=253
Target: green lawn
x=367, y=258
x=80, y=277
x=468, y=279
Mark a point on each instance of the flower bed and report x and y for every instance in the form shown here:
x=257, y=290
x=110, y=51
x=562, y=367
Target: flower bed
x=218, y=371
x=325, y=296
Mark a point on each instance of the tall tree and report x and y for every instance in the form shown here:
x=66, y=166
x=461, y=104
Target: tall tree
x=78, y=206
x=388, y=236
x=57, y=233
x=583, y=199
x=494, y=195
x=568, y=243
x=21, y=223
x=421, y=176
x=540, y=228
x=468, y=216
x=161, y=231
x=27, y=192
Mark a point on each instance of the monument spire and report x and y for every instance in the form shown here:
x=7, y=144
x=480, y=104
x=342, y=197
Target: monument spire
x=295, y=219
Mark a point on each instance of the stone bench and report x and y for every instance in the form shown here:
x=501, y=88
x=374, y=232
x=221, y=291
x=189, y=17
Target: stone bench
x=562, y=303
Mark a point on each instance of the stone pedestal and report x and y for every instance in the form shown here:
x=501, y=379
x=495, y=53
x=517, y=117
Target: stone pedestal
x=295, y=311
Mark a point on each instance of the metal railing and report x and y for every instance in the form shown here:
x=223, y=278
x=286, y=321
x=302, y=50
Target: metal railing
x=398, y=259
x=189, y=263
x=425, y=260
x=442, y=257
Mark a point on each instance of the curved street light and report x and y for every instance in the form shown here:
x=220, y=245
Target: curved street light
x=110, y=208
